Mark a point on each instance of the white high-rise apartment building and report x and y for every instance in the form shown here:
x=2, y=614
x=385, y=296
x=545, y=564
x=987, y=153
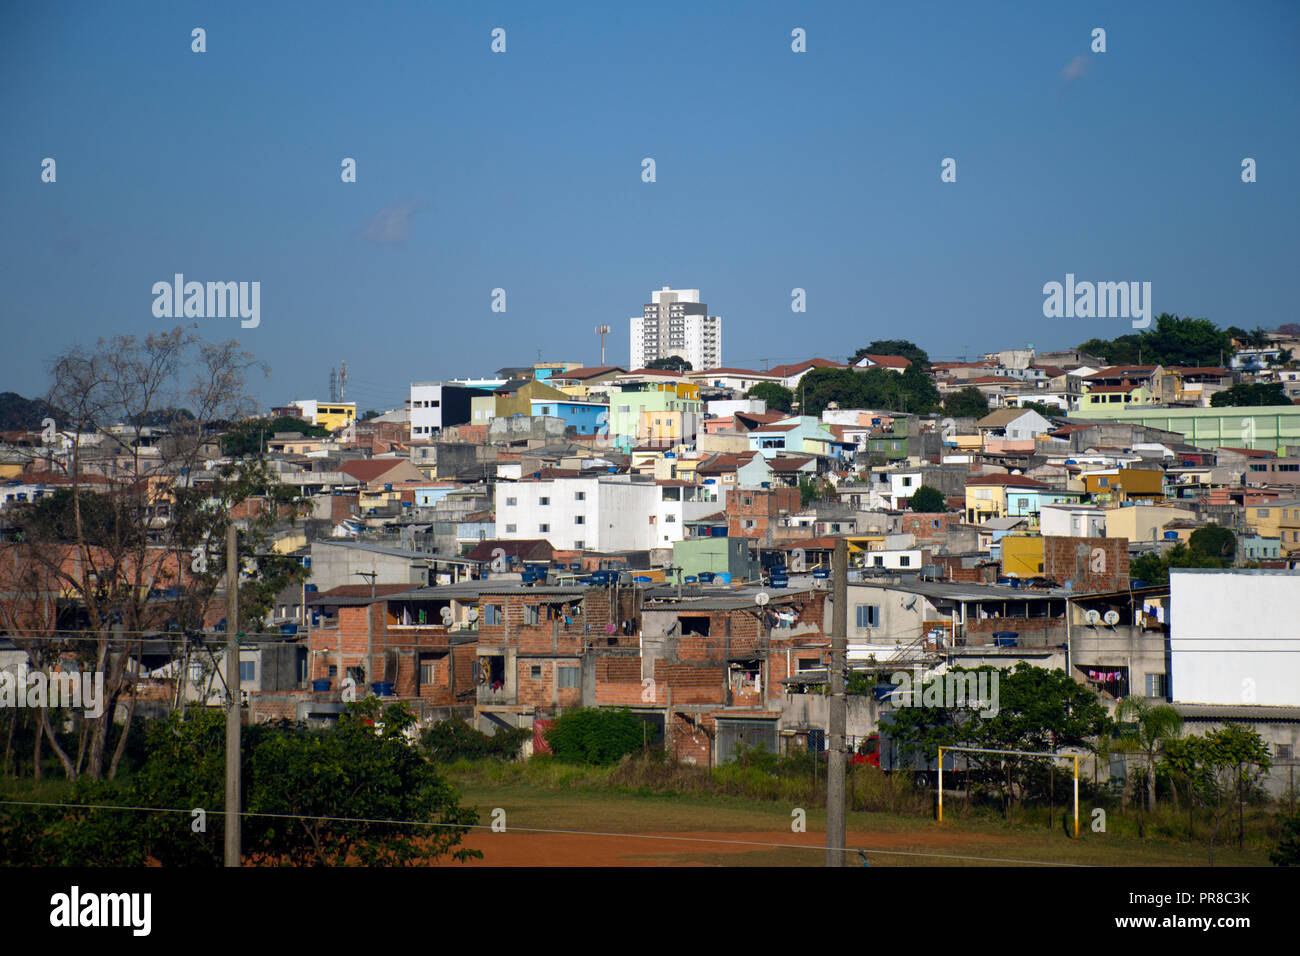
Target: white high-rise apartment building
x=676, y=322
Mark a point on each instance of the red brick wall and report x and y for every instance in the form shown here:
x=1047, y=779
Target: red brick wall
x=764, y=509
x=1092, y=564
x=691, y=683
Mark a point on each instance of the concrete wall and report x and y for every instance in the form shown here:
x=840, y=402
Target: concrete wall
x=1234, y=637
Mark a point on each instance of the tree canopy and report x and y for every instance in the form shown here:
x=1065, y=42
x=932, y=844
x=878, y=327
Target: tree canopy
x=1252, y=393
x=901, y=347
x=777, y=397
x=912, y=391
x=1170, y=341
x=968, y=402
x=670, y=363
x=927, y=499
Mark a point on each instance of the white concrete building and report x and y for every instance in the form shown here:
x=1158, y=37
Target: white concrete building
x=1234, y=637
x=609, y=513
x=1072, y=521
x=676, y=322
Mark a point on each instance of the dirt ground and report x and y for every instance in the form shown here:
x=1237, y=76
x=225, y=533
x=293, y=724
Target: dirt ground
x=702, y=848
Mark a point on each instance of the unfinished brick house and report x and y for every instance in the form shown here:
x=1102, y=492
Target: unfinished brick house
x=421, y=641
x=757, y=513
x=534, y=646
x=712, y=666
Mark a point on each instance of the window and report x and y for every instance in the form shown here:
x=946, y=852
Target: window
x=579, y=519
x=579, y=496
x=1022, y=502
x=535, y=672
x=543, y=528
x=907, y=481
x=1155, y=685
x=1263, y=512
x=1103, y=482
x=531, y=615
x=334, y=670
x=747, y=523
x=746, y=500
x=428, y=671
x=543, y=501
x=904, y=561
x=868, y=615
x=880, y=560
x=579, y=545
x=569, y=677
x=511, y=502
x=669, y=519
x=247, y=670
x=492, y=615
x=511, y=528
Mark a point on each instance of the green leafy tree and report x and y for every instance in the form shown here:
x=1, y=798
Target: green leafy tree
x=928, y=500
x=336, y=790
x=248, y=438
x=356, y=793
x=1145, y=729
x=968, y=402
x=901, y=347
x=777, y=397
x=1170, y=341
x=1250, y=394
x=1047, y=411
x=1152, y=568
x=449, y=740
x=1213, y=541
x=1040, y=710
x=593, y=735
x=810, y=489
x=1233, y=759
x=1287, y=850
x=670, y=363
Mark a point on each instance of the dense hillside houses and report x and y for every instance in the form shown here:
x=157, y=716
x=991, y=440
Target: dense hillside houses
x=658, y=538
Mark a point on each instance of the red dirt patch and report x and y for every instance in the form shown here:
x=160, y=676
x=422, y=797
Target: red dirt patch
x=520, y=847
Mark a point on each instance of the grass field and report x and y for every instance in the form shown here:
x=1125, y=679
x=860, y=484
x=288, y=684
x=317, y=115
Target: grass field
x=559, y=815
x=607, y=827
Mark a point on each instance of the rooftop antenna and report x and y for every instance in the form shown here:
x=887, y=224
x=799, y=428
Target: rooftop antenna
x=343, y=379
x=602, y=331
x=334, y=385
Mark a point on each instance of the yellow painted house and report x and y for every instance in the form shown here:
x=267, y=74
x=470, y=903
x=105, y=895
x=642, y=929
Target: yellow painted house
x=986, y=496
x=1124, y=484
x=1277, y=519
x=1101, y=397
x=1022, y=555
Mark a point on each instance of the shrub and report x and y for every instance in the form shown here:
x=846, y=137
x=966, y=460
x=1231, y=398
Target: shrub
x=595, y=736
x=450, y=740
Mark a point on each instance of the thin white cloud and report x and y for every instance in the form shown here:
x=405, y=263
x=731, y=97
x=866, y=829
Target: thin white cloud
x=1075, y=69
x=392, y=224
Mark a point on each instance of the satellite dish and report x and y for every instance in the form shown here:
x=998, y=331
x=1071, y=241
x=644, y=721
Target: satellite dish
x=473, y=614
x=1092, y=617
x=761, y=598
x=1111, y=618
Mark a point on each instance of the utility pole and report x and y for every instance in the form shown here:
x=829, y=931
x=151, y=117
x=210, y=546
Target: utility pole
x=836, y=834
x=233, y=853
x=370, y=631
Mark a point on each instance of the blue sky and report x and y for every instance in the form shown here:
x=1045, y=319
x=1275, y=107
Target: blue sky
x=522, y=171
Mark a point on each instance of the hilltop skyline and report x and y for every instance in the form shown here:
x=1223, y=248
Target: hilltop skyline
x=523, y=171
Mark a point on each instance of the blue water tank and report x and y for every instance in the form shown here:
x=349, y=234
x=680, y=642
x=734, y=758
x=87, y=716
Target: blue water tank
x=1171, y=535
x=722, y=577
x=1006, y=638
x=706, y=577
